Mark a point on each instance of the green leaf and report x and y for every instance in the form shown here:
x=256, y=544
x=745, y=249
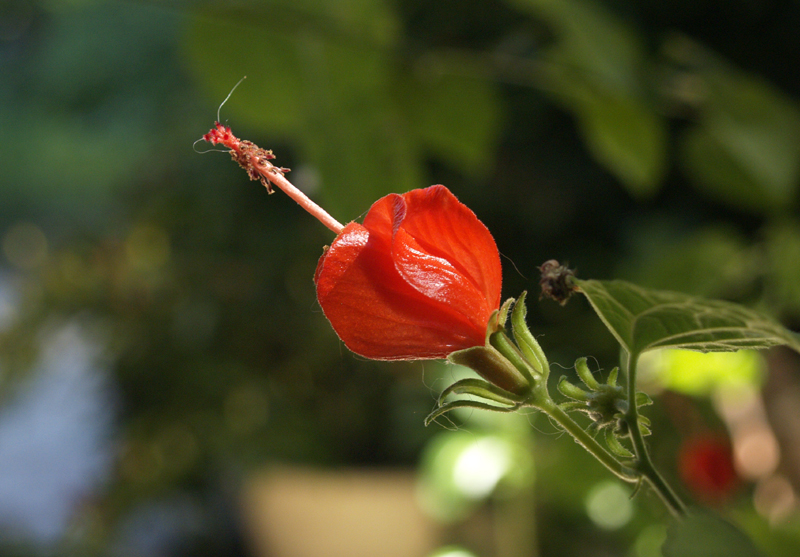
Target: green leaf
x=590, y=38
x=594, y=70
x=782, y=247
x=706, y=535
x=735, y=178
x=706, y=261
x=642, y=319
x=626, y=136
x=744, y=149
x=455, y=118
x=327, y=81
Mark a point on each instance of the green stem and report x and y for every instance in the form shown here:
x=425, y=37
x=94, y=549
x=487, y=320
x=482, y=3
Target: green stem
x=546, y=405
x=644, y=464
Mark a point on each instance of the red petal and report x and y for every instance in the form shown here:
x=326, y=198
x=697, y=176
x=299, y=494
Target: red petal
x=419, y=280
x=375, y=312
x=439, y=280
x=447, y=228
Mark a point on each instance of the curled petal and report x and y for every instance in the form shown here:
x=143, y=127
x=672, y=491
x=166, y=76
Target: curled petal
x=447, y=228
x=438, y=280
x=376, y=313
x=392, y=292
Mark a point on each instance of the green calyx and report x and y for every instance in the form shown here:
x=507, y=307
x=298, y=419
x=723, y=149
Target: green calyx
x=526, y=341
x=605, y=403
x=494, y=367
x=510, y=369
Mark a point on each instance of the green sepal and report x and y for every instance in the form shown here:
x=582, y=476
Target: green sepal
x=643, y=399
x=482, y=389
x=612, y=377
x=525, y=340
x=571, y=391
x=509, y=350
x=498, y=319
x=467, y=404
x=586, y=375
x=490, y=364
x=615, y=446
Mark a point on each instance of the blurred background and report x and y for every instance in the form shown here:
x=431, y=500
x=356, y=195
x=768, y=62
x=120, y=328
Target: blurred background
x=168, y=384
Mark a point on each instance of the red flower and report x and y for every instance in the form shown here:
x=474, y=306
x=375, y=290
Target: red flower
x=706, y=466
x=418, y=280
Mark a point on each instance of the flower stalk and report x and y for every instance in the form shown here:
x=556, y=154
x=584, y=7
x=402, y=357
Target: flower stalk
x=644, y=464
x=582, y=438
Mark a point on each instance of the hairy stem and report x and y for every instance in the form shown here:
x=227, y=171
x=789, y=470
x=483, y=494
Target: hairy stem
x=645, y=465
x=546, y=405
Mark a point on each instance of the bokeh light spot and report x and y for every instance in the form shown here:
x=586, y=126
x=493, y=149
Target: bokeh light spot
x=481, y=466
x=609, y=505
x=756, y=452
x=452, y=551
x=649, y=541
x=699, y=374
x=774, y=498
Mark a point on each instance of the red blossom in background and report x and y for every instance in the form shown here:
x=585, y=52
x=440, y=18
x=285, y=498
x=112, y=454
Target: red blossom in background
x=418, y=280
x=706, y=467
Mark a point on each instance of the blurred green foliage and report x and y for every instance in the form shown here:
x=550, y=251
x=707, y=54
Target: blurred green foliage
x=651, y=141
x=336, y=86
x=697, y=536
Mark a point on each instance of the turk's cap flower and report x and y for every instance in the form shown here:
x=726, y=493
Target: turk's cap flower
x=419, y=279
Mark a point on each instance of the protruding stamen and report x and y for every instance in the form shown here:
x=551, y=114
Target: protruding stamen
x=256, y=162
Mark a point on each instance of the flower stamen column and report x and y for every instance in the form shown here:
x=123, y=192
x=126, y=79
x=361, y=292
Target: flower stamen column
x=256, y=162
